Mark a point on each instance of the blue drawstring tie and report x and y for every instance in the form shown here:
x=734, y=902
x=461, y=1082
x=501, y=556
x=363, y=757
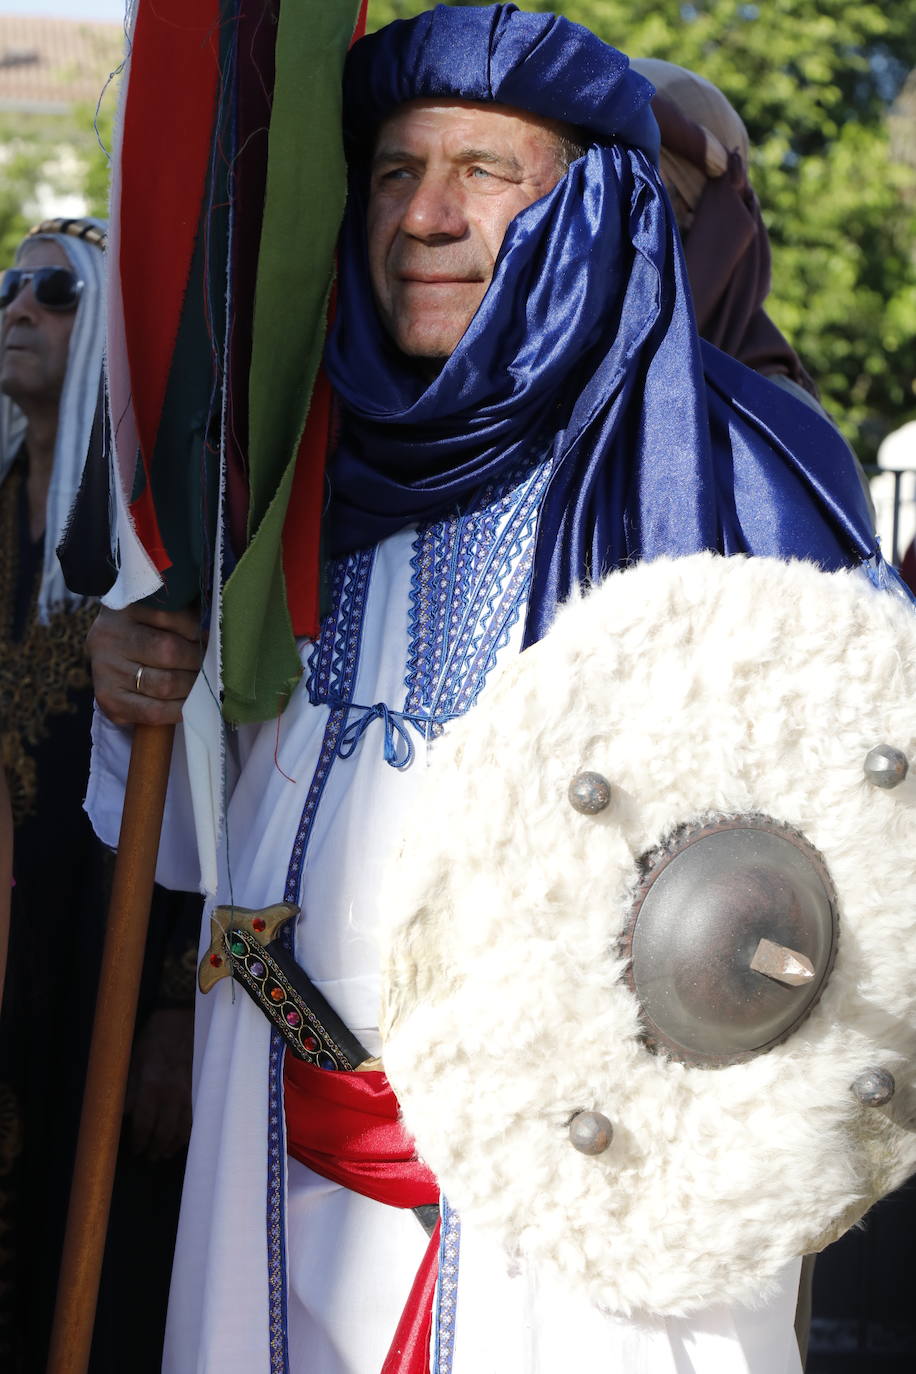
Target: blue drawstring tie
x=398, y=749
x=395, y=733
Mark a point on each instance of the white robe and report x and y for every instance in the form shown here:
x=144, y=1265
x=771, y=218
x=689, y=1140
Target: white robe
x=277, y=1269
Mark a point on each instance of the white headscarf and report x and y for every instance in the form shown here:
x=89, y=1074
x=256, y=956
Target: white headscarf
x=83, y=241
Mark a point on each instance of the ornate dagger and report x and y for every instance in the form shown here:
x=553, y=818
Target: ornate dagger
x=244, y=945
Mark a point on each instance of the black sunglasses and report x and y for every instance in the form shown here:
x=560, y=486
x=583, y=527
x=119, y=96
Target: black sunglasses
x=54, y=288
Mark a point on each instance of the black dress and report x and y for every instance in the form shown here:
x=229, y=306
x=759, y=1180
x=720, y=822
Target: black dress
x=57, y=917
x=57, y=921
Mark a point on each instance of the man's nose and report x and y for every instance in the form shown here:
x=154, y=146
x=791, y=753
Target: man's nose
x=23, y=306
x=435, y=210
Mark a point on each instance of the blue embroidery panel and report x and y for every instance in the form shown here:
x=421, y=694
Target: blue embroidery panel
x=470, y=580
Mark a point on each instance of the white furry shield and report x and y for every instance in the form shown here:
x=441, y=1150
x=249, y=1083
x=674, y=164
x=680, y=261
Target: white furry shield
x=698, y=687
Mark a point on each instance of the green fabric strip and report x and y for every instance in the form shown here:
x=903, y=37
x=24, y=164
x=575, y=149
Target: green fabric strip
x=304, y=201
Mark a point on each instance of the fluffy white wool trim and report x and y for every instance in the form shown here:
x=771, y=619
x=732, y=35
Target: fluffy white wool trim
x=697, y=686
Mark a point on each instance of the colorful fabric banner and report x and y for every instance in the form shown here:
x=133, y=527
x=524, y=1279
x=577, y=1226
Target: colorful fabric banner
x=165, y=152
x=304, y=201
x=222, y=266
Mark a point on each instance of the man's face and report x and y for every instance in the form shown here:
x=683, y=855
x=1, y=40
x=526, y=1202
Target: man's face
x=34, y=342
x=447, y=177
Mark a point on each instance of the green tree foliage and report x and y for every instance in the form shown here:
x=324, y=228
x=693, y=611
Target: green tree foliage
x=22, y=172
x=814, y=81
x=46, y=156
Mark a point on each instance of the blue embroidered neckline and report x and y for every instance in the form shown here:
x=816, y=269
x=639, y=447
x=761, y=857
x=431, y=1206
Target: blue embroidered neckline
x=469, y=579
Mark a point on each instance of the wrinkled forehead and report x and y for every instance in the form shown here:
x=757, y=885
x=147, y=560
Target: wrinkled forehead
x=490, y=120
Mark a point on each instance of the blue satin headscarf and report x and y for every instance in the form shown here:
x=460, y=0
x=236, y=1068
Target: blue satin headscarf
x=584, y=347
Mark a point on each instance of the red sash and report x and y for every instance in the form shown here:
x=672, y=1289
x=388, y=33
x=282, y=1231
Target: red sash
x=347, y=1127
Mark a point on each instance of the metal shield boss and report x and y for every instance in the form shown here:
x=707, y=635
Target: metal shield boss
x=651, y=982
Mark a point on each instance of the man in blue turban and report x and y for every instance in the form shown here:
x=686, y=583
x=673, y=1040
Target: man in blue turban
x=525, y=405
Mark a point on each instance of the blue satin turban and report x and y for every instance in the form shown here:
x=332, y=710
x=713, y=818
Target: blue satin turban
x=584, y=347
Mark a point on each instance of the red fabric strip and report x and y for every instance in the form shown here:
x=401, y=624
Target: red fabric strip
x=360, y=28
x=409, y=1353
x=302, y=525
x=347, y=1127
x=168, y=120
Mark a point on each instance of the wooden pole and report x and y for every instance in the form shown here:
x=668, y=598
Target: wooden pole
x=110, y=1050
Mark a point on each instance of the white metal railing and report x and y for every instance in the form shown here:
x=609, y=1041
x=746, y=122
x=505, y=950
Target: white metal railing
x=893, y=491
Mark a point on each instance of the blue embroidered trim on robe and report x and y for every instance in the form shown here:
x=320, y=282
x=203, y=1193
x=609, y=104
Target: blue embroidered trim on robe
x=334, y=659
x=445, y=1312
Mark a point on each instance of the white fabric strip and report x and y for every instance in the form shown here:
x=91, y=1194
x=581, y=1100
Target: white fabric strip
x=543, y=1328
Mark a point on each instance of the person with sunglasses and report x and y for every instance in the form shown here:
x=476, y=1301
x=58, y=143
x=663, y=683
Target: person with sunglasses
x=52, y=328
x=52, y=333
x=52, y=336
x=51, y=343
